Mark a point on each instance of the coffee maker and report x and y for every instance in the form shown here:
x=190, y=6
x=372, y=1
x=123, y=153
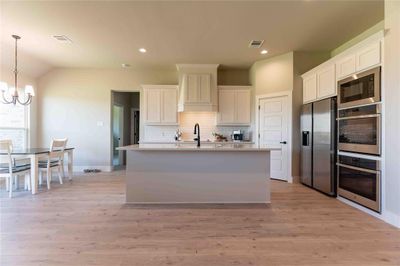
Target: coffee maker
x=237, y=135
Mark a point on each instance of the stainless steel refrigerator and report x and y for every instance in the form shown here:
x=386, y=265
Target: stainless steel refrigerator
x=318, y=145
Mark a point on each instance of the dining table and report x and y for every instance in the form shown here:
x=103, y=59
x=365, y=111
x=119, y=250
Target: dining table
x=36, y=154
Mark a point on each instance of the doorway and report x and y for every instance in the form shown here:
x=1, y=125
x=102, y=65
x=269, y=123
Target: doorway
x=125, y=124
x=118, y=133
x=274, y=131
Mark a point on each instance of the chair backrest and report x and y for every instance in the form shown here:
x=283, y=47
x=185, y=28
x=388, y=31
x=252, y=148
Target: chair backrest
x=57, y=147
x=5, y=153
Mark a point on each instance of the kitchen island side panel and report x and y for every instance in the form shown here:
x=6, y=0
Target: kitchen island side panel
x=197, y=177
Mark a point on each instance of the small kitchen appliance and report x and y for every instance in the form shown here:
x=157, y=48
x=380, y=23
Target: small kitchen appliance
x=237, y=135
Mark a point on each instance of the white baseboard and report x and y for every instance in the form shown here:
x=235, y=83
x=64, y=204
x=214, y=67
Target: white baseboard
x=392, y=218
x=103, y=168
x=386, y=216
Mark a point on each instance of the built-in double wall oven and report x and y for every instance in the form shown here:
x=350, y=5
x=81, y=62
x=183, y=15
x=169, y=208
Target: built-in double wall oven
x=359, y=132
x=360, y=129
x=359, y=180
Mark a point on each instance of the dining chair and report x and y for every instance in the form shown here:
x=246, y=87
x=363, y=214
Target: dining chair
x=54, y=161
x=9, y=169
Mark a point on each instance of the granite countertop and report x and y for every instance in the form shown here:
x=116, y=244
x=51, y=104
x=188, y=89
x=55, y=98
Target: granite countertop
x=202, y=142
x=236, y=147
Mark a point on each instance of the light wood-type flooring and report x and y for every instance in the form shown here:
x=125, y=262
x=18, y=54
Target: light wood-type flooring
x=85, y=222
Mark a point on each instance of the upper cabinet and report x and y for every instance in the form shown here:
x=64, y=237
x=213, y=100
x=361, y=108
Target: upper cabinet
x=369, y=56
x=310, y=88
x=346, y=66
x=159, y=105
x=197, y=88
x=234, y=105
x=326, y=82
x=321, y=82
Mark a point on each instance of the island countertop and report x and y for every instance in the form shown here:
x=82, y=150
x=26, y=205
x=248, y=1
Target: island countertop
x=204, y=147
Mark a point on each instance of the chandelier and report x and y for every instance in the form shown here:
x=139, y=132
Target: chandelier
x=12, y=92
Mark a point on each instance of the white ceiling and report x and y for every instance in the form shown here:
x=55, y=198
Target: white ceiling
x=106, y=34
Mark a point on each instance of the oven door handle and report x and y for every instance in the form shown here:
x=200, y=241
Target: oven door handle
x=358, y=117
x=358, y=168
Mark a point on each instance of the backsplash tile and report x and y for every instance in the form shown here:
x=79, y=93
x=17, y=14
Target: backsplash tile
x=187, y=120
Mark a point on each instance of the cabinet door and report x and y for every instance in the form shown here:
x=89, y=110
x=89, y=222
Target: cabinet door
x=226, y=101
x=326, y=85
x=152, y=101
x=310, y=88
x=242, y=106
x=369, y=56
x=192, y=88
x=346, y=66
x=204, y=88
x=169, y=106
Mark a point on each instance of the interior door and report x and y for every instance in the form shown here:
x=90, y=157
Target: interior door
x=273, y=128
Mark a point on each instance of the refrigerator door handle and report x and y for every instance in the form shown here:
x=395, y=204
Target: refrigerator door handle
x=305, y=138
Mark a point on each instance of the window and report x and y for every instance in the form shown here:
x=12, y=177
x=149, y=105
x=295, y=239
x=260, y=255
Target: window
x=14, y=124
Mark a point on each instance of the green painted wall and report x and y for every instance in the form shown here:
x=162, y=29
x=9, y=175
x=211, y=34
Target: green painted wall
x=374, y=29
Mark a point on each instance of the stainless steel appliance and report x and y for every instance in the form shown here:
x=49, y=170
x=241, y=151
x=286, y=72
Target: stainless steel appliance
x=237, y=135
x=318, y=150
x=360, y=129
x=359, y=180
x=359, y=89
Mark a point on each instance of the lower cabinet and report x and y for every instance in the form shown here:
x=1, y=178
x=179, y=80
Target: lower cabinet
x=234, y=105
x=160, y=105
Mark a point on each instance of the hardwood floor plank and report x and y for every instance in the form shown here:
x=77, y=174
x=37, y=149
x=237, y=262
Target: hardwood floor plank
x=85, y=222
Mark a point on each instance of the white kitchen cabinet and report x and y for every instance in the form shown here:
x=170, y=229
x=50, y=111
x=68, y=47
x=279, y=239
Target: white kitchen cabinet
x=152, y=105
x=326, y=82
x=169, y=105
x=368, y=56
x=226, y=106
x=321, y=81
x=198, y=88
x=310, y=88
x=159, y=105
x=346, y=66
x=234, y=105
x=243, y=103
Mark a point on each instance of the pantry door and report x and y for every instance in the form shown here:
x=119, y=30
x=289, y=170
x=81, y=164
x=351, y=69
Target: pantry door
x=273, y=133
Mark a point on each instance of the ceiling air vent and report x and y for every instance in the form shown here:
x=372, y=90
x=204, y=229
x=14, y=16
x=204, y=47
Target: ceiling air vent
x=62, y=38
x=256, y=43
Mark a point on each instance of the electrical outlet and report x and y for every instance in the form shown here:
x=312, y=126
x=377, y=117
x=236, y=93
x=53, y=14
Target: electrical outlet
x=100, y=123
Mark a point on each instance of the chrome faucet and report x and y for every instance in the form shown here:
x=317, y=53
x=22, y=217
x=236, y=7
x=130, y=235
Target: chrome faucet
x=197, y=131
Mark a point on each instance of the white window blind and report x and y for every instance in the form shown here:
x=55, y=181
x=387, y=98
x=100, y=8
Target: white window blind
x=14, y=122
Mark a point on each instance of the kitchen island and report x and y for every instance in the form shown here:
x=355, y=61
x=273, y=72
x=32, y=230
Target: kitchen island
x=172, y=173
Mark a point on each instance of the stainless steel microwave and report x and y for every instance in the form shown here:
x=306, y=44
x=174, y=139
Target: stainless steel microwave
x=360, y=89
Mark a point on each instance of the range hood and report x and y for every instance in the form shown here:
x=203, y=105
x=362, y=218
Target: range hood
x=197, y=87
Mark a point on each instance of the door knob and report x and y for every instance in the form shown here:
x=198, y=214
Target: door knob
x=283, y=142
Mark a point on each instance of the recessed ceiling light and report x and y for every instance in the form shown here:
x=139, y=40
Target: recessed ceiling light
x=142, y=50
x=264, y=52
x=125, y=65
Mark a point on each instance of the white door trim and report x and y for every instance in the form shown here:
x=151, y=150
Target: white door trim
x=287, y=93
x=110, y=112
